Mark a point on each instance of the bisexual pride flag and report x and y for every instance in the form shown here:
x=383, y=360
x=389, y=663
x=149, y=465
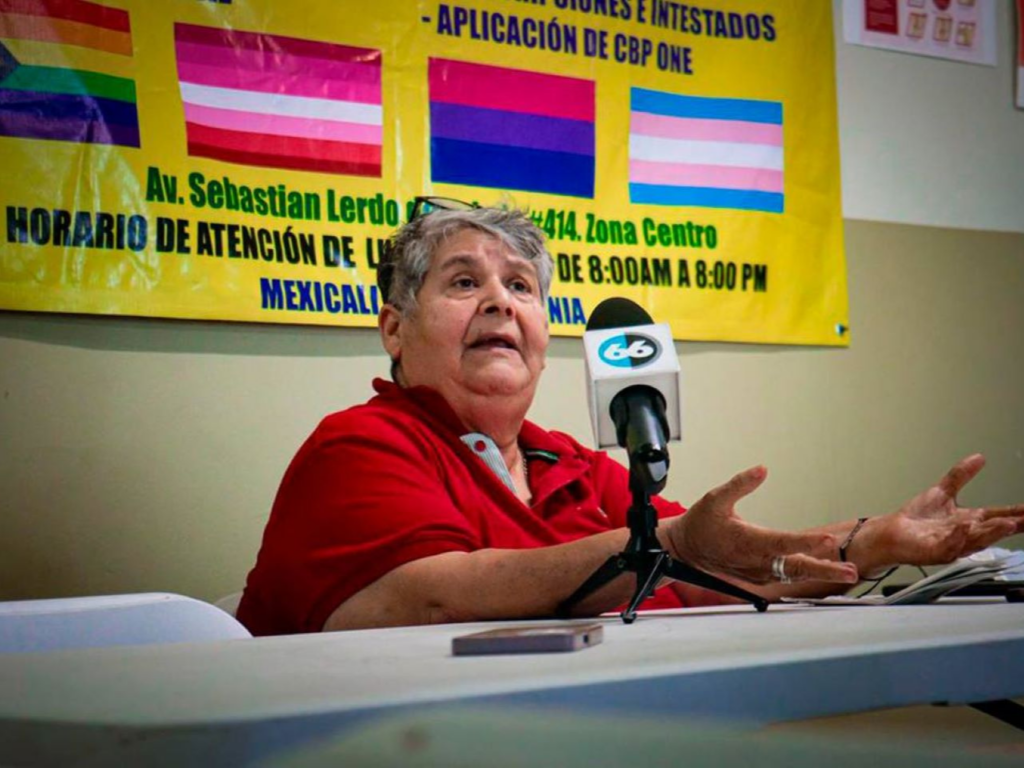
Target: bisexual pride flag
x=511, y=129
x=65, y=69
x=280, y=102
x=705, y=152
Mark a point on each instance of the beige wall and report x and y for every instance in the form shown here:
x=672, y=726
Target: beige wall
x=144, y=455
x=931, y=141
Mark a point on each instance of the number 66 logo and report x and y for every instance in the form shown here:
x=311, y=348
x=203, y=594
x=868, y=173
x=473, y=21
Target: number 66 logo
x=629, y=350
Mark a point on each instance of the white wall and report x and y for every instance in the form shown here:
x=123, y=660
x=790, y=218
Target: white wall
x=928, y=141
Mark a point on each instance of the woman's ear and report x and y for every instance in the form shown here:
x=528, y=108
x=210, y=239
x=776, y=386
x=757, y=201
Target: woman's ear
x=389, y=322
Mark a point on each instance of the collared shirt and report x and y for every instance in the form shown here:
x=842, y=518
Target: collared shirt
x=391, y=481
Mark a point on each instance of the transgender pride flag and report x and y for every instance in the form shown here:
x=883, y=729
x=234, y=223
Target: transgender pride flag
x=705, y=152
x=280, y=102
x=511, y=129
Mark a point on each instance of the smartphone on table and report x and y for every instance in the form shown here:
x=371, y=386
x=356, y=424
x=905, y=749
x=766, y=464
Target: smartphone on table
x=551, y=639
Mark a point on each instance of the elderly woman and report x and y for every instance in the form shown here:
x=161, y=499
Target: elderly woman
x=437, y=501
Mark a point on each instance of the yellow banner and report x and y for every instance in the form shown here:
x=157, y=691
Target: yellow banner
x=246, y=160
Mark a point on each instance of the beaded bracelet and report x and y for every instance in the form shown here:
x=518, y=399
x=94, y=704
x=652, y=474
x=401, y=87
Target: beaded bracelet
x=849, y=538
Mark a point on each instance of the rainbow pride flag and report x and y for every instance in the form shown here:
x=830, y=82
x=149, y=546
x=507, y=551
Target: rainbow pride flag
x=63, y=67
x=705, y=152
x=280, y=102
x=511, y=129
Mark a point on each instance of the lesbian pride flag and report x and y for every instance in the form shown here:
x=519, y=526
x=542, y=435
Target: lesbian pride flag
x=280, y=102
x=511, y=129
x=62, y=67
x=705, y=152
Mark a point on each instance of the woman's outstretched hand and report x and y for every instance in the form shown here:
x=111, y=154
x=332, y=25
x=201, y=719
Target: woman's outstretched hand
x=712, y=537
x=932, y=528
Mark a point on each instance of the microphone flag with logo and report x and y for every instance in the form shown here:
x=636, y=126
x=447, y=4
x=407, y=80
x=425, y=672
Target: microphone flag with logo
x=624, y=348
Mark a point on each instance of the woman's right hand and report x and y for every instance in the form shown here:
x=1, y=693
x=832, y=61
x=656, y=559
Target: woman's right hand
x=713, y=538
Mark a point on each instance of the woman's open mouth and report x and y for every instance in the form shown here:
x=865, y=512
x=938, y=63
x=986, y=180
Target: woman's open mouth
x=494, y=342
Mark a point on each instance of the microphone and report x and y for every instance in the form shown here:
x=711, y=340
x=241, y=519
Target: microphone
x=633, y=383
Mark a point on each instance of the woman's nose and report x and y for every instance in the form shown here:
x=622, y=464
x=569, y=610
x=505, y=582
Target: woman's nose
x=497, y=299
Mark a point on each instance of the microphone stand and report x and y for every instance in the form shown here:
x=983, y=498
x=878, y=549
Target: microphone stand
x=644, y=555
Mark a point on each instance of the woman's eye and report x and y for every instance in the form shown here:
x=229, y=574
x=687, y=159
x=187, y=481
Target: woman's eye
x=521, y=286
x=464, y=282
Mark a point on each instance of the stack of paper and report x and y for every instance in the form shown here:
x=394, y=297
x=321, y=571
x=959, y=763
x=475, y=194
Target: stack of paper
x=1000, y=564
x=1014, y=569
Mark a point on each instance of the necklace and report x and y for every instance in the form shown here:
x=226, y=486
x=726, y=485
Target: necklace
x=526, y=470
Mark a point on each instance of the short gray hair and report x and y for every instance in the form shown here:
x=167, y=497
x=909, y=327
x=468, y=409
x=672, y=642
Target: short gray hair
x=413, y=246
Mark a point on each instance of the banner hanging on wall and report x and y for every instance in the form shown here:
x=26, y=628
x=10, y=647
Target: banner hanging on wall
x=961, y=30
x=247, y=160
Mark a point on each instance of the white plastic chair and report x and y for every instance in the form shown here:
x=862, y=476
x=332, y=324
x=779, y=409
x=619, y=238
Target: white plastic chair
x=90, y=622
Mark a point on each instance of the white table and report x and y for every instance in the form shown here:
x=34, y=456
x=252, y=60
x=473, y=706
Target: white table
x=237, y=701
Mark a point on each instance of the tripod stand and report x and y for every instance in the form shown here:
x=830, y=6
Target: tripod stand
x=644, y=554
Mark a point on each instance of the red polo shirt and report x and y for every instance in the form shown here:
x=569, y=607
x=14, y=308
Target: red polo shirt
x=388, y=482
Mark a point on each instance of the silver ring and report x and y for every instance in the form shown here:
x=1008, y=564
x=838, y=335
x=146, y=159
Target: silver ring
x=779, y=570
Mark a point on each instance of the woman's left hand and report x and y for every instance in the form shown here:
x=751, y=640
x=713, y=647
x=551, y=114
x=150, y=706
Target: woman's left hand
x=932, y=528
